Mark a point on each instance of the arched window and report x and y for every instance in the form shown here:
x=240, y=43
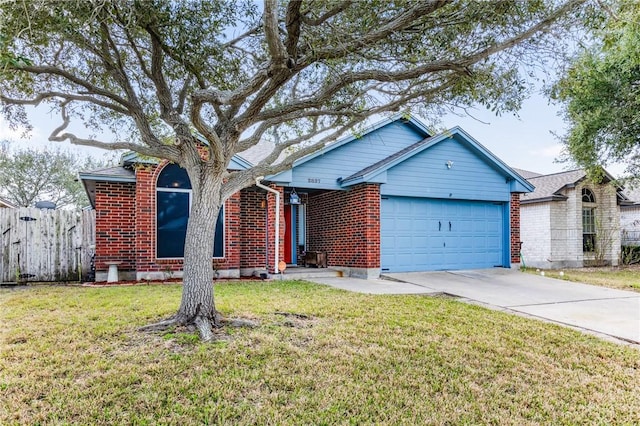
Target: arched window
x=588, y=221
x=173, y=204
x=587, y=196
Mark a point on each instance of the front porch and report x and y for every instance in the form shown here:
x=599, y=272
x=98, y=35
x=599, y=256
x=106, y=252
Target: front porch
x=344, y=224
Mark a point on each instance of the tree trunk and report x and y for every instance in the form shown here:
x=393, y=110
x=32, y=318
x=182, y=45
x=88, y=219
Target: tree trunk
x=197, y=305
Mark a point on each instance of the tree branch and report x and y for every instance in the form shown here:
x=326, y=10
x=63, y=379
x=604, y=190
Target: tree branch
x=70, y=97
x=323, y=18
x=164, y=151
x=119, y=73
x=277, y=50
x=402, y=21
x=50, y=70
x=539, y=27
x=163, y=92
x=293, y=23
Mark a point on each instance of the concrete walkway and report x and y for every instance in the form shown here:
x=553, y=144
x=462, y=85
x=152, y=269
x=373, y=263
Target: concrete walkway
x=600, y=310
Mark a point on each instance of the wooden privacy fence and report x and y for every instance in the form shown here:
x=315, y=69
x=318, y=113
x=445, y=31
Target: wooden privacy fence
x=46, y=245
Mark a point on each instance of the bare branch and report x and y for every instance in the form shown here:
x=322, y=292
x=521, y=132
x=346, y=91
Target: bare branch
x=134, y=47
x=217, y=97
x=119, y=73
x=182, y=96
x=349, y=78
x=163, y=92
x=215, y=143
x=323, y=18
x=243, y=36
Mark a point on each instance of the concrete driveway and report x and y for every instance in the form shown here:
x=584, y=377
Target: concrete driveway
x=601, y=310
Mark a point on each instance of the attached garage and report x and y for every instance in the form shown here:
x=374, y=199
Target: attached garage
x=422, y=234
x=398, y=198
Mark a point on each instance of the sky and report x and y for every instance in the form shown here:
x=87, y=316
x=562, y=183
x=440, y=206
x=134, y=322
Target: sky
x=525, y=141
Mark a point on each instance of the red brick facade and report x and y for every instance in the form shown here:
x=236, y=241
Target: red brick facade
x=253, y=212
x=115, y=224
x=271, y=227
x=126, y=229
x=515, y=228
x=346, y=225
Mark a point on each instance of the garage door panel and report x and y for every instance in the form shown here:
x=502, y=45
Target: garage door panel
x=415, y=234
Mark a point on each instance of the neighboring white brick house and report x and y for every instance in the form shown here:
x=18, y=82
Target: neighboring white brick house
x=568, y=221
x=630, y=219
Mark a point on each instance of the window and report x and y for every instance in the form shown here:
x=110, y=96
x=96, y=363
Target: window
x=172, y=212
x=588, y=230
x=588, y=221
x=587, y=196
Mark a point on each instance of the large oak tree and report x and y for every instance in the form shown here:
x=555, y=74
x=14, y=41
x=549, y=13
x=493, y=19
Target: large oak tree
x=295, y=74
x=601, y=91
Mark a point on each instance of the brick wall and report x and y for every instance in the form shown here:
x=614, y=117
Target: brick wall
x=253, y=211
x=608, y=226
x=271, y=225
x=346, y=224
x=126, y=226
x=231, y=235
x=535, y=233
x=514, y=238
x=552, y=231
x=115, y=225
x=146, y=176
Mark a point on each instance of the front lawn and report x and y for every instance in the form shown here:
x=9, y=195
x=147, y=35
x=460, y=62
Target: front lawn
x=621, y=278
x=72, y=355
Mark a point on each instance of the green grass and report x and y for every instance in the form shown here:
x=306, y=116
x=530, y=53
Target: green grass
x=72, y=355
x=622, y=278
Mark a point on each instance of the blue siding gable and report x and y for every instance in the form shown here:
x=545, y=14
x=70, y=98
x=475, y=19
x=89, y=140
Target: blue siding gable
x=427, y=175
x=326, y=168
x=422, y=170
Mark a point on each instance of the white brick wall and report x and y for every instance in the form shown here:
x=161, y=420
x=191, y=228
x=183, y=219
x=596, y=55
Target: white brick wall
x=630, y=224
x=551, y=232
x=535, y=234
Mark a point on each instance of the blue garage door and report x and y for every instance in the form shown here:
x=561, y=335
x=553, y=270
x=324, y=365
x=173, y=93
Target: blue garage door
x=420, y=234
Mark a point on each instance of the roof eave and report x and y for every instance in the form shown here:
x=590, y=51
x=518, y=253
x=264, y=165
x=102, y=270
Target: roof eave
x=105, y=178
x=491, y=156
x=89, y=180
x=555, y=197
x=378, y=177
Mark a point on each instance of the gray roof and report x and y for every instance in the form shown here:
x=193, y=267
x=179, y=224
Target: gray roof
x=548, y=187
x=258, y=152
x=633, y=194
x=109, y=172
x=527, y=174
x=104, y=174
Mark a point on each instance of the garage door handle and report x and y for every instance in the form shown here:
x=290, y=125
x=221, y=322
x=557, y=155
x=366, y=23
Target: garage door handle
x=449, y=226
x=439, y=226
